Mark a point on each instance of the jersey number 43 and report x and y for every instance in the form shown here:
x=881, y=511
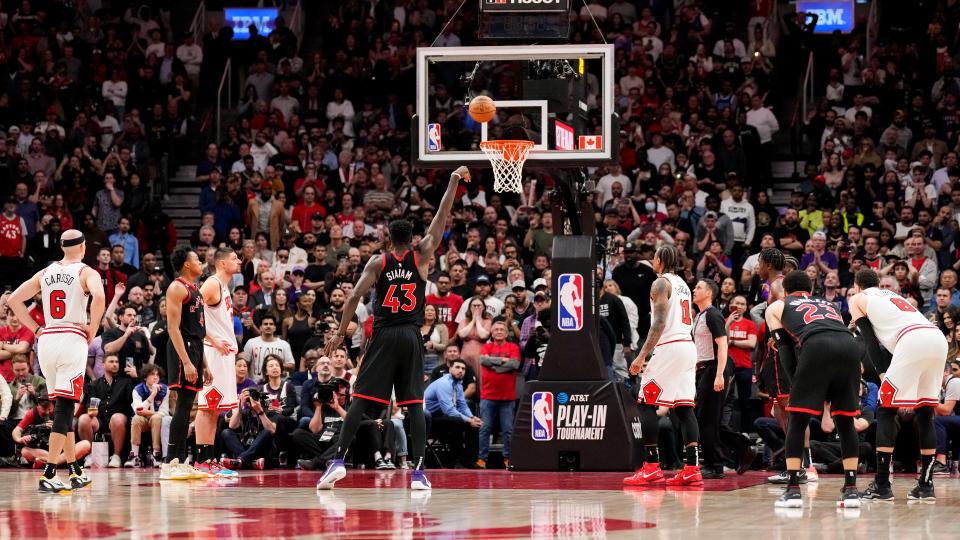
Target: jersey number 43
x=396, y=304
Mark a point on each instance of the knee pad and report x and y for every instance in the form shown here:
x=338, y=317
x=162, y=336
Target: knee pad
x=925, y=430
x=887, y=427
x=63, y=415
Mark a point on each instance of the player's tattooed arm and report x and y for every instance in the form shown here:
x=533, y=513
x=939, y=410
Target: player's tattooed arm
x=431, y=240
x=660, y=295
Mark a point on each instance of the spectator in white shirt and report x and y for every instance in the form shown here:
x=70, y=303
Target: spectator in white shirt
x=858, y=106
x=257, y=349
x=341, y=107
x=157, y=45
x=192, y=57
x=658, y=154
x=605, y=184
x=762, y=119
x=116, y=91
x=284, y=102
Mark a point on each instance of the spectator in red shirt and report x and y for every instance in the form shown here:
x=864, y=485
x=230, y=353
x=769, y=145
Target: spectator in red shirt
x=498, y=390
x=742, y=335
x=447, y=303
x=306, y=208
x=15, y=338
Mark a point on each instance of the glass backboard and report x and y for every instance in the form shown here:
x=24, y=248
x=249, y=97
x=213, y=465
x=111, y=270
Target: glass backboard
x=558, y=96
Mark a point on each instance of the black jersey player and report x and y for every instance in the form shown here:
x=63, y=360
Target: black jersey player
x=394, y=359
x=826, y=370
x=184, y=357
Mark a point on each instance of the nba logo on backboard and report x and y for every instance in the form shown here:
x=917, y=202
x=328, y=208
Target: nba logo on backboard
x=433, y=138
x=570, y=316
x=542, y=421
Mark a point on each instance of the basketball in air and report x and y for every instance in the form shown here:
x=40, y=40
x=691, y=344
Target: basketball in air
x=482, y=109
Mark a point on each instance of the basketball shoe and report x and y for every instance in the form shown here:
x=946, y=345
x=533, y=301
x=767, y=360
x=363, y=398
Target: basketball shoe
x=922, y=492
x=175, y=471
x=849, y=498
x=53, y=485
x=335, y=472
x=791, y=498
x=650, y=473
x=877, y=492
x=219, y=471
x=688, y=476
x=419, y=481
x=812, y=475
x=79, y=481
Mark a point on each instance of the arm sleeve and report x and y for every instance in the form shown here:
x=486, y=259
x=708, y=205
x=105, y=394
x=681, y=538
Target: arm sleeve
x=786, y=351
x=875, y=353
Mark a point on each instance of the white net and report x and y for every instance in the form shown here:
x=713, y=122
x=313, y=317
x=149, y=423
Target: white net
x=507, y=158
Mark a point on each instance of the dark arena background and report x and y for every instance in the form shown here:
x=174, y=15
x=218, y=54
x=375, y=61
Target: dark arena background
x=629, y=136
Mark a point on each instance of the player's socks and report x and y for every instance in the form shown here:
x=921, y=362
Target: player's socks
x=74, y=468
x=692, y=456
x=49, y=470
x=651, y=455
x=793, y=479
x=806, y=459
x=205, y=453
x=850, y=478
x=926, y=470
x=883, y=468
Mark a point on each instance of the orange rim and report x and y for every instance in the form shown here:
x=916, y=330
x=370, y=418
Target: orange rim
x=509, y=150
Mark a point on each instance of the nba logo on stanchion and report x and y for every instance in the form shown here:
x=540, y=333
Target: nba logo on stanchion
x=570, y=287
x=433, y=138
x=542, y=422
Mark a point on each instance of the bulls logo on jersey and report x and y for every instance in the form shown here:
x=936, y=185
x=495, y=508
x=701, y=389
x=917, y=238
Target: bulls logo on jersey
x=651, y=392
x=888, y=393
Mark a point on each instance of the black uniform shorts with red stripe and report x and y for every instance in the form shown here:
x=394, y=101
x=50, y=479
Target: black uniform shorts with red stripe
x=828, y=371
x=175, y=376
x=394, y=361
x=773, y=378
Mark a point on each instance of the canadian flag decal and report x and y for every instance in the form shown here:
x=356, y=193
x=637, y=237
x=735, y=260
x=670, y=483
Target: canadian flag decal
x=591, y=142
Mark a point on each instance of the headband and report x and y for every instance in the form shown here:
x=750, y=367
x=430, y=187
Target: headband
x=73, y=241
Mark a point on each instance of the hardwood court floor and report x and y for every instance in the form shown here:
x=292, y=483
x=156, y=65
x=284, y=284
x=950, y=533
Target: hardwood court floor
x=463, y=504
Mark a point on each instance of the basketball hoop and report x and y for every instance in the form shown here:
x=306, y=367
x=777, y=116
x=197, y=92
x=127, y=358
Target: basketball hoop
x=507, y=158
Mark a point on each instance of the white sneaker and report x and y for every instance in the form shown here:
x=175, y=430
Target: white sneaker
x=812, y=475
x=174, y=471
x=114, y=462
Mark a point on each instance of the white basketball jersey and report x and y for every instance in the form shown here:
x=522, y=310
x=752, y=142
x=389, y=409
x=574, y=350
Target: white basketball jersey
x=891, y=316
x=219, y=318
x=64, y=301
x=680, y=316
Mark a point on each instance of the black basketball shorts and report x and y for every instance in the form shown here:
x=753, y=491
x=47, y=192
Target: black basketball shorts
x=175, y=374
x=394, y=361
x=828, y=371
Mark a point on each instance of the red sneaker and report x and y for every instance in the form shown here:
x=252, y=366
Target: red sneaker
x=232, y=463
x=650, y=473
x=260, y=464
x=688, y=476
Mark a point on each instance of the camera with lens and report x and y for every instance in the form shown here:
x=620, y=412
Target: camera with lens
x=324, y=392
x=256, y=395
x=39, y=435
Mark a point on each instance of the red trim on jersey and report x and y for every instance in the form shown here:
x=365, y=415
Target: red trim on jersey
x=845, y=413
x=371, y=398
x=922, y=402
x=409, y=401
x=400, y=258
x=383, y=261
x=801, y=294
x=913, y=327
x=803, y=410
x=176, y=386
x=188, y=286
x=221, y=407
x=75, y=331
x=416, y=259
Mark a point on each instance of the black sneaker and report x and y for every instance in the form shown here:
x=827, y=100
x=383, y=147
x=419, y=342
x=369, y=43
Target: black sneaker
x=875, y=492
x=309, y=464
x=712, y=474
x=382, y=465
x=922, y=492
x=52, y=485
x=79, y=481
x=783, y=477
x=849, y=498
x=746, y=460
x=940, y=469
x=791, y=498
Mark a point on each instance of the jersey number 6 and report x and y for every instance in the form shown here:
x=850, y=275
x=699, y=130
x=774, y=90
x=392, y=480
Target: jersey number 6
x=57, y=306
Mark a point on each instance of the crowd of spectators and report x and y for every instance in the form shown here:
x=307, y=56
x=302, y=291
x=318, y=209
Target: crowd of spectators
x=100, y=106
